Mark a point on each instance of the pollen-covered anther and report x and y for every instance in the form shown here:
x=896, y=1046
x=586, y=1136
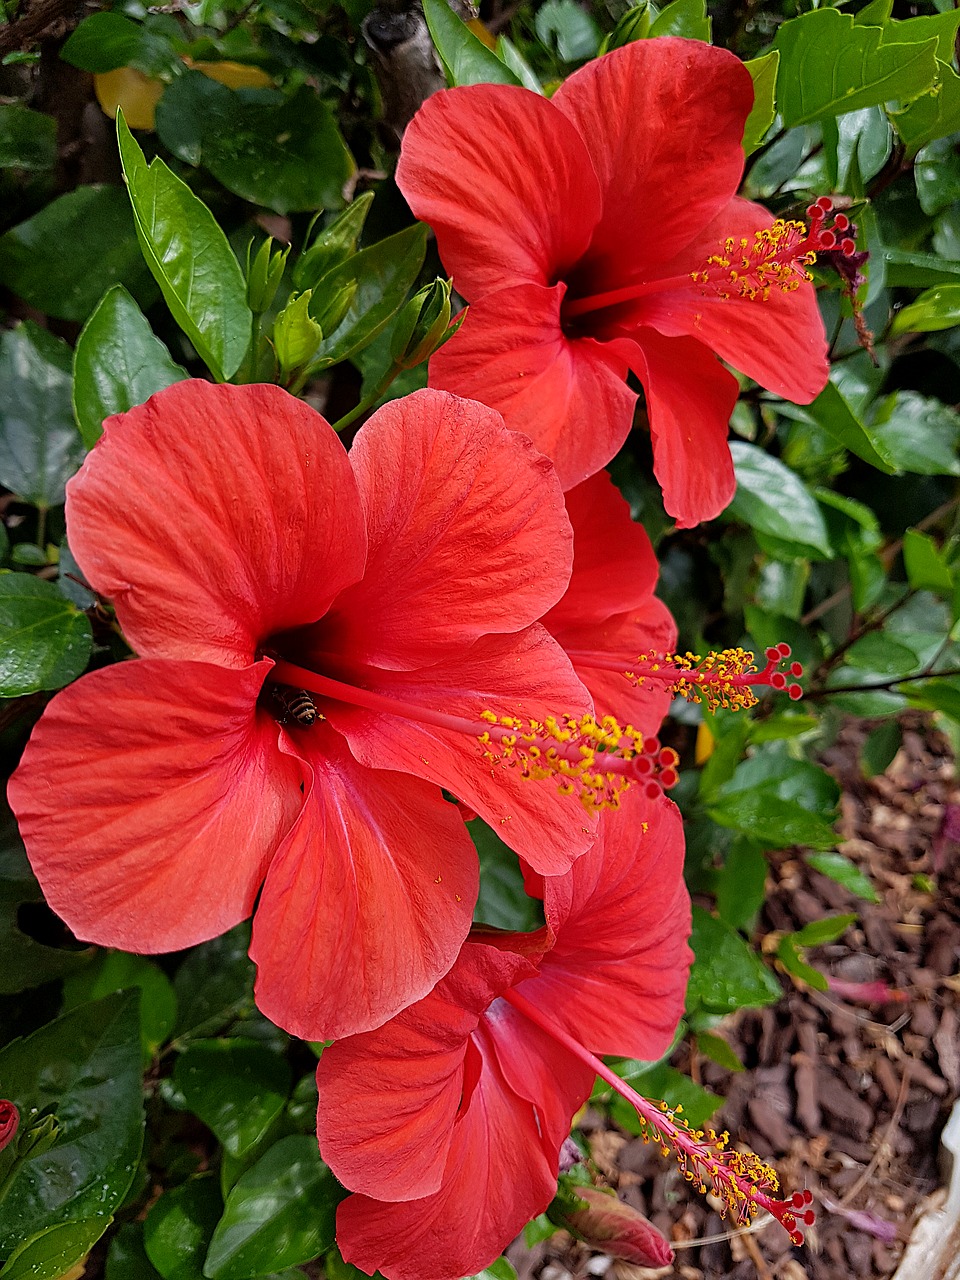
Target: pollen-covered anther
x=594, y=759
x=723, y=678
x=778, y=256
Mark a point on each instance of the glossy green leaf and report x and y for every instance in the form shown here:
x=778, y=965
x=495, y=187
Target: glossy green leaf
x=281, y=151
x=503, y=902
x=937, y=308
x=829, y=65
x=383, y=275
x=881, y=654
x=820, y=932
x=778, y=773
x=774, y=822
x=190, y=259
x=28, y=139
x=40, y=448
x=921, y=434
x=500, y=1269
x=763, y=112
x=517, y=63
x=933, y=115
x=214, y=985
x=236, y=1087
x=85, y=1067
x=905, y=269
x=726, y=974
x=127, y=1259
x=790, y=955
x=117, y=363
x=97, y=225
x=178, y=1228
x=280, y=1213
x=466, y=60
x=843, y=871
x=926, y=568
x=50, y=1253
x=671, y=1086
x=740, y=884
x=105, y=41
x=832, y=412
x=687, y=18
x=120, y=971
x=773, y=499
x=563, y=26
x=718, y=1050
x=47, y=639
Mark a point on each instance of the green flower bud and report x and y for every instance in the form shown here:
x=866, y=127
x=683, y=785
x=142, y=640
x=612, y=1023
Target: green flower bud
x=264, y=275
x=334, y=245
x=329, y=309
x=422, y=326
x=38, y=1137
x=296, y=335
x=634, y=25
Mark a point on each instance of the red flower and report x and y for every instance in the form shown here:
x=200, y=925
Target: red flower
x=609, y=615
x=9, y=1122
x=395, y=593
x=599, y=232
x=449, y=1119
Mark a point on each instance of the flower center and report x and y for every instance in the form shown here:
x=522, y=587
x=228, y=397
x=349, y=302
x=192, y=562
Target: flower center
x=742, y=1182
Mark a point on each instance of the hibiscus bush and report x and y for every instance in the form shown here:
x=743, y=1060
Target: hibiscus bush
x=458, y=471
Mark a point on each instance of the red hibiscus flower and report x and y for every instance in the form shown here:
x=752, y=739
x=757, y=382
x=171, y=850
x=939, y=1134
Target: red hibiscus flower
x=608, y=615
x=312, y=628
x=448, y=1120
x=598, y=233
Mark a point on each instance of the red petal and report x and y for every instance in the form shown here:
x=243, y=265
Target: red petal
x=614, y=567
x=779, y=342
x=623, y=638
x=467, y=533
x=568, y=395
x=389, y=1098
x=617, y=974
x=505, y=182
x=367, y=901
x=690, y=398
x=151, y=798
x=214, y=516
x=663, y=122
x=526, y=676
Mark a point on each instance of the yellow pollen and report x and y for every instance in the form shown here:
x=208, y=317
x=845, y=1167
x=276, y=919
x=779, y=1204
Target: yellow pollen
x=778, y=258
x=714, y=680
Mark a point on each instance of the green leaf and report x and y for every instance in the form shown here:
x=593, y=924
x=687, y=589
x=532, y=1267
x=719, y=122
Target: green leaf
x=937, y=695
x=466, y=60
x=740, y=884
x=717, y=1050
x=106, y=41
x=791, y=957
x=28, y=139
x=686, y=18
x=84, y=1067
x=726, y=974
x=236, y=1087
x=503, y=902
x=845, y=872
x=120, y=971
x=117, y=363
x=820, y=932
x=190, y=258
x=919, y=433
x=832, y=412
x=763, y=112
x=878, y=652
x=776, y=823
x=500, y=1269
x=383, y=275
x=926, y=568
x=937, y=308
x=933, y=115
x=214, y=984
x=50, y=1253
x=517, y=63
x=40, y=448
x=179, y=1227
x=773, y=499
x=97, y=225
x=562, y=25
x=829, y=66
x=127, y=1259
x=671, y=1086
x=906, y=270
x=47, y=640
x=280, y=1213
x=283, y=152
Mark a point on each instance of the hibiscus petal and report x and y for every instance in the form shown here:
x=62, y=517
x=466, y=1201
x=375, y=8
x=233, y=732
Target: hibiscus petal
x=526, y=676
x=151, y=798
x=623, y=638
x=467, y=533
x=663, y=122
x=504, y=180
x=389, y=1098
x=690, y=397
x=367, y=901
x=214, y=516
x=614, y=567
x=569, y=395
x=779, y=342
x=617, y=974
x=500, y=1173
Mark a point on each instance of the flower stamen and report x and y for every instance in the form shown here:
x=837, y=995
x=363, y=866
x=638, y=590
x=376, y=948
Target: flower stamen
x=723, y=678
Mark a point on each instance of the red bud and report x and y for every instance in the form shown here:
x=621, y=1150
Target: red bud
x=9, y=1122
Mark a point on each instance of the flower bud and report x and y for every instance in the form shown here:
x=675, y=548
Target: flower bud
x=423, y=325
x=264, y=274
x=329, y=309
x=334, y=245
x=634, y=25
x=9, y=1122
x=296, y=335
x=605, y=1223
x=38, y=1137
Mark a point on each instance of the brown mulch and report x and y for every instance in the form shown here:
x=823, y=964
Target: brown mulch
x=846, y=1099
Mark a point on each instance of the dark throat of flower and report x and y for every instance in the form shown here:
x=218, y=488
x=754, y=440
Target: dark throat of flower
x=741, y=1181
x=777, y=258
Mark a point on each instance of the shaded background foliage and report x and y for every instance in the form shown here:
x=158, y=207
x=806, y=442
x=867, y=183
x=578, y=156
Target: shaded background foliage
x=167, y=1125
